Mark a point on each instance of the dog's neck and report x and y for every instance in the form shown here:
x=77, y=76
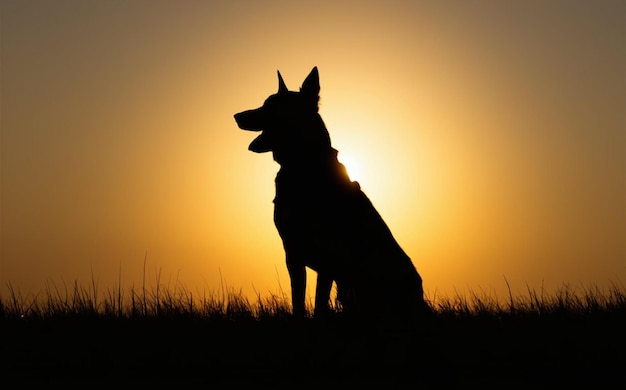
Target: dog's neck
x=297, y=183
x=310, y=146
x=306, y=165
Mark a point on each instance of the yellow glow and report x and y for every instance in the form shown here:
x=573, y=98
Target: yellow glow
x=491, y=142
x=353, y=166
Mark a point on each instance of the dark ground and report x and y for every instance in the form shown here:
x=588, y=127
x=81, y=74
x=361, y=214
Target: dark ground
x=490, y=352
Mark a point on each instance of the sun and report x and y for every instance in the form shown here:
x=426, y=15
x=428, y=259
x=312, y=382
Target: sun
x=352, y=165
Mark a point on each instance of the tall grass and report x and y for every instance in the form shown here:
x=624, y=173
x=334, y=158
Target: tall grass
x=164, y=331
x=568, y=300
x=66, y=300
x=159, y=301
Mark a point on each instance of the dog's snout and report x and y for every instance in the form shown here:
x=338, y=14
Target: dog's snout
x=237, y=117
x=240, y=118
x=250, y=120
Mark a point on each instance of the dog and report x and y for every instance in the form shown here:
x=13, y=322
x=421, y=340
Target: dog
x=325, y=221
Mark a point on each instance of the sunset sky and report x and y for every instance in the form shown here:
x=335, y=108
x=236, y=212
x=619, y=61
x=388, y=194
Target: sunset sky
x=490, y=135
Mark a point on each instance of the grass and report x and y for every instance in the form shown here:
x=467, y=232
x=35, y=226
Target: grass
x=169, y=333
x=158, y=302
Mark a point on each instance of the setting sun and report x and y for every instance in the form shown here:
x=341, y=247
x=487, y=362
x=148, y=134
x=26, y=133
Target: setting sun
x=352, y=165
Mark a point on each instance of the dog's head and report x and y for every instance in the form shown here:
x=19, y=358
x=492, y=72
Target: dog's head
x=288, y=121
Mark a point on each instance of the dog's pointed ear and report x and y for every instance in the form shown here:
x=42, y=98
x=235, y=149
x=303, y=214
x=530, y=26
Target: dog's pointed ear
x=311, y=85
x=282, y=88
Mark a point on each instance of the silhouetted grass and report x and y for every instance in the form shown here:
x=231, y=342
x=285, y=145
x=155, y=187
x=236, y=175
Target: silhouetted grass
x=566, y=301
x=77, y=301
x=573, y=335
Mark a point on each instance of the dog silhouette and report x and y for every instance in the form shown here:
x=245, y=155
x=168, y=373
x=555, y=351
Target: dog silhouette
x=325, y=221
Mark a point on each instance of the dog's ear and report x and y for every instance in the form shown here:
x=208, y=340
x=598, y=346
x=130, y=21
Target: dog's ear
x=282, y=88
x=311, y=85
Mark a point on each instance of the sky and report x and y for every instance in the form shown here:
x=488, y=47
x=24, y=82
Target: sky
x=490, y=136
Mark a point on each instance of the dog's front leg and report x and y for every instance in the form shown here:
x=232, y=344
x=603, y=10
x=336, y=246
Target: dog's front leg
x=322, y=294
x=297, y=274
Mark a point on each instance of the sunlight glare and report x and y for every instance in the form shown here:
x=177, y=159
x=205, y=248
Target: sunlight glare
x=352, y=165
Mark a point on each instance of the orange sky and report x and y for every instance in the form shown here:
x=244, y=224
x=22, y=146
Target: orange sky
x=491, y=137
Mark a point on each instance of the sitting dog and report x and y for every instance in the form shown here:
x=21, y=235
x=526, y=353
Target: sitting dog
x=325, y=221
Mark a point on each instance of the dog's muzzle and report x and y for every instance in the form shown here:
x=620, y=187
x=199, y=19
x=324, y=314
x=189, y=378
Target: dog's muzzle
x=251, y=120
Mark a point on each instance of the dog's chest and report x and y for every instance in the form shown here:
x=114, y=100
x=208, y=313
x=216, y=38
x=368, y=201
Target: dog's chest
x=305, y=208
x=297, y=208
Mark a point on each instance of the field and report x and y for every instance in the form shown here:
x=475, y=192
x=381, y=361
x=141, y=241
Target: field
x=160, y=336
